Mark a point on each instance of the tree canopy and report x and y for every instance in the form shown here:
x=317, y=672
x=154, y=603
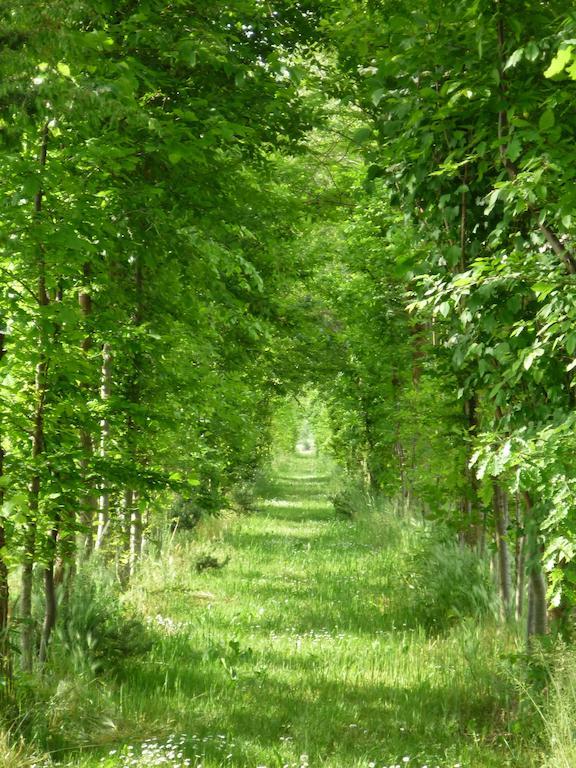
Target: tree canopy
x=210, y=207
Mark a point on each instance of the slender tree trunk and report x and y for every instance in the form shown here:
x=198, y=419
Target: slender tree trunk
x=474, y=532
x=123, y=550
x=135, y=533
x=89, y=502
x=520, y=561
x=51, y=605
x=538, y=585
x=104, y=499
x=530, y=619
x=132, y=515
x=40, y=388
x=501, y=517
x=5, y=662
x=538, y=614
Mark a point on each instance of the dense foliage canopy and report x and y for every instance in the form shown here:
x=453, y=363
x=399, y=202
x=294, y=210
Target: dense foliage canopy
x=210, y=207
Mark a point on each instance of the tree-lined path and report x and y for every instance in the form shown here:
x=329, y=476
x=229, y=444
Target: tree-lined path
x=227, y=226
x=303, y=648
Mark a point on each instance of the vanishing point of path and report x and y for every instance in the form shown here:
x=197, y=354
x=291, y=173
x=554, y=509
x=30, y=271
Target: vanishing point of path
x=298, y=652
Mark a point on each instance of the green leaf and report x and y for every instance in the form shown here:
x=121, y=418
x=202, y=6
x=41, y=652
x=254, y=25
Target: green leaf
x=559, y=62
x=362, y=135
x=531, y=357
x=547, y=120
x=571, y=343
x=531, y=51
x=63, y=68
x=501, y=351
x=14, y=505
x=377, y=96
x=515, y=58
x=514, y=149
x=542, y=290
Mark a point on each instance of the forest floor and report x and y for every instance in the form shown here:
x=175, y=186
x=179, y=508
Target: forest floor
x=295, y=653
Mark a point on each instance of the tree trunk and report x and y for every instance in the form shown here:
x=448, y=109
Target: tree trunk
x=520, y=562
x=89, y=502
x=538, y=585
x=104, y=499
x=123, y=559
x=135, y=533
x=538, y=618
x=50, y=602
x=530, y=619
x=5, y=663
x=474, y=527
x=132, y=515
x=40, y=390
x=501, y=517
x=27, y=632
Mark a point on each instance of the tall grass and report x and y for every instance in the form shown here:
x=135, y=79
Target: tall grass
x=560, y=713
x=312, y=647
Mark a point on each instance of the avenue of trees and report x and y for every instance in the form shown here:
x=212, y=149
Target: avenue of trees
x=207, y=206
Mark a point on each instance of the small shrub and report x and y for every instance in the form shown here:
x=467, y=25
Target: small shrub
x=243, y=498
x=352, y=501
x=185, y=513
x=96, y=631
x=447, y=582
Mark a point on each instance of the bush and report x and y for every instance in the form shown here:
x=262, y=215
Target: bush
x=447, y=582
x=185, y=513
x=95, y=631
x=243, y=498
x=352, y=501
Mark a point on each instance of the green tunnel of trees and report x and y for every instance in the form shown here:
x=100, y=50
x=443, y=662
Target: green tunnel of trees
x=207, y=207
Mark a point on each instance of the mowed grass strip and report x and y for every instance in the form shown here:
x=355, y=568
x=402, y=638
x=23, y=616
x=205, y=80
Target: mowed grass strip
x=296, y=652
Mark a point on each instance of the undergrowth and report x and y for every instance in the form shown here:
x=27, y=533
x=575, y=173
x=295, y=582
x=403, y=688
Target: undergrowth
x=326, y=640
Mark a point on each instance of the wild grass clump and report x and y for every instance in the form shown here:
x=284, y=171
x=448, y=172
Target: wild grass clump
x=447, y=582
x=352, y=501
x=96, y=632
x=17, y=755
x=301, y=652
x=243, y=497
x=72, y=700
x=559, y=714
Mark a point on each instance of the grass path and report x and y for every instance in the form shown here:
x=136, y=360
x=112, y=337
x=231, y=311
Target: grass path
x=294, y=655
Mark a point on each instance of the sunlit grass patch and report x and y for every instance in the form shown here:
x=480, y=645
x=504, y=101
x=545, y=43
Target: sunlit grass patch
x=301, y=647
x=305, y=504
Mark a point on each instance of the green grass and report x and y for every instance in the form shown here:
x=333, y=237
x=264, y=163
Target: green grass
x=298, y=653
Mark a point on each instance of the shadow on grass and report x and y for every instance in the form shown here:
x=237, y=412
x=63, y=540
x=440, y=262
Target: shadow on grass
x=309, y=578
x=322, y=716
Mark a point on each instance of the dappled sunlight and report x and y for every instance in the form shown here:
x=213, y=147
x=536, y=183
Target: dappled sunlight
x=302, y=650
x=299, y=653
x=304, y=504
